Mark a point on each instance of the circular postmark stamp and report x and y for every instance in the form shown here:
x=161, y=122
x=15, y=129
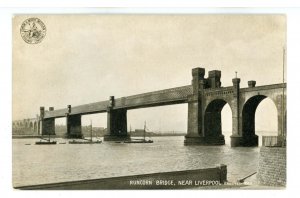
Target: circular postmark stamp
x=33, y=30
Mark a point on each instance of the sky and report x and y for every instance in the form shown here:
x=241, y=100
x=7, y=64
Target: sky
x=87, y=58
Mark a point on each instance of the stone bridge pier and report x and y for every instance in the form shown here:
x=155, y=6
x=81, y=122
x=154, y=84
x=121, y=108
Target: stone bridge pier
x=47, y=124
x=73, y=123
x=116, y=123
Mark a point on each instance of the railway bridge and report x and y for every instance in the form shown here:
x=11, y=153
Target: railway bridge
x=205, y=98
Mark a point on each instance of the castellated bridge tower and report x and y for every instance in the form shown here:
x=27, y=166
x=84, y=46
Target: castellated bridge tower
x=208, y=99
x=204, y=121
x=205, y=106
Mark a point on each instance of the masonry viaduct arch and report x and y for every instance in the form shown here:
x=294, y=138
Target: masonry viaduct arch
x=28, y=126
x=213, y=121
x=250, y=101
x=205, y=97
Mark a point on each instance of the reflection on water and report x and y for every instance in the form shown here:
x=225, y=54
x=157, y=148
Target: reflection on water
x=35, y=164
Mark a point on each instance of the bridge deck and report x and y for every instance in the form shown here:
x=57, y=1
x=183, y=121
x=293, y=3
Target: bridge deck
x=157, y=98
x=264, y=87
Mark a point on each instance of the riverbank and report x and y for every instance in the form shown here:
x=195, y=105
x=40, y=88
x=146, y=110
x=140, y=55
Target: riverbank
x=166, y=180
x=25, y=136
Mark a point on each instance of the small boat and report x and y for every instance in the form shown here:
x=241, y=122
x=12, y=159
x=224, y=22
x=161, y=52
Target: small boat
x=86, y=141
x=45, y=141
x=140, y=140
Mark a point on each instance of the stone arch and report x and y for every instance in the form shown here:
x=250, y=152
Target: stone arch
x=213, y=120
x=31, y=125
x=248, y=119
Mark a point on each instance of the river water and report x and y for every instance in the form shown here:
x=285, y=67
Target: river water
x=39, y=164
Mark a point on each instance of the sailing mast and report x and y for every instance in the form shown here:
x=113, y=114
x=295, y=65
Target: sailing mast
x=145, y=131
x=91, y=131
x=282, y=124
x=130, y=130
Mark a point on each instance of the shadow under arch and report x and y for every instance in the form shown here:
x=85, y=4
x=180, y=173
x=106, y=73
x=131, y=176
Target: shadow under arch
x=213, y=122
x=35, y=126
x=248, y=119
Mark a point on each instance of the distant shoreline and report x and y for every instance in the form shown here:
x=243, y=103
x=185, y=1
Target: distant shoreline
x=25, y=136
x=60, y=136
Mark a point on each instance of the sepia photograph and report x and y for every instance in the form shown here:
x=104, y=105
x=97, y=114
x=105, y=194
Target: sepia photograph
x=149, y=101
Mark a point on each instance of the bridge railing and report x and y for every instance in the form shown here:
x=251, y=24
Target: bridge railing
x=219, y=91
x=264, y=87
x=273, y=141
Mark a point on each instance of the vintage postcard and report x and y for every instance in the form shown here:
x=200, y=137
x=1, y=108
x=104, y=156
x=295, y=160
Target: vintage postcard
x=149, y=101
